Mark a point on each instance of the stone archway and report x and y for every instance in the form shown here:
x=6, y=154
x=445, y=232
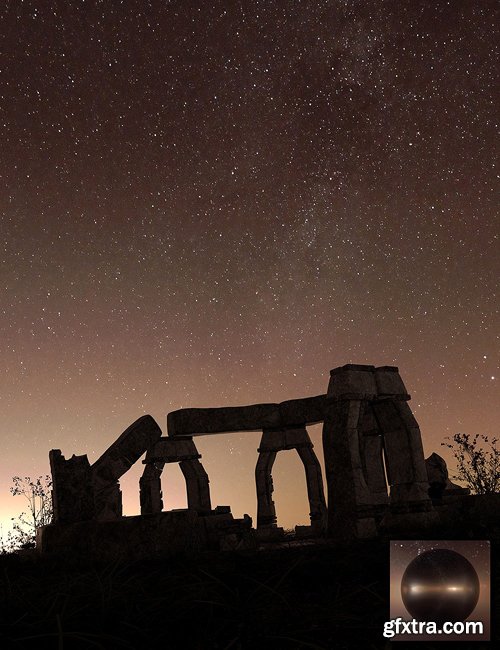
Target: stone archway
x=180, y=450
x=273, y=441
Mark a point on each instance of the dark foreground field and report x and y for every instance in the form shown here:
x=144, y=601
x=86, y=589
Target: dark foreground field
x=286, y=598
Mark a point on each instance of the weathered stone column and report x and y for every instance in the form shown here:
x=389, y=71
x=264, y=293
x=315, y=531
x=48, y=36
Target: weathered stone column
x=198, y=491
x=350, y=509
x=72, y=493
x=404, y=455
x=315, y=491
x=150, y=488
x=266, y=512
x=372, y=460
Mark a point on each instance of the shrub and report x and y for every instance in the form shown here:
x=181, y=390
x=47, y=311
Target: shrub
x=478, y=461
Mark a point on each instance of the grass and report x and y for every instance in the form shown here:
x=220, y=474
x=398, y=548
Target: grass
x=306, y=597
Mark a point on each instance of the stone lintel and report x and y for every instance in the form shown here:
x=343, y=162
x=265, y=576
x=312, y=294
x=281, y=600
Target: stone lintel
x=170, y=459
x=282, y=439
x=283, y=447
x=255, y=417
x=172, y=450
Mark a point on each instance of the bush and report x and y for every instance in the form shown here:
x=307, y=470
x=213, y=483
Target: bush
x=39, y=497
x=478, y=462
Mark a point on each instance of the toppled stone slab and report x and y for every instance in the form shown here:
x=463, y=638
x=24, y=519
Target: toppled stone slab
x=126, y=450
x=117, y=460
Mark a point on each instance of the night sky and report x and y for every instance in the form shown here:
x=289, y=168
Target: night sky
x=215, y=203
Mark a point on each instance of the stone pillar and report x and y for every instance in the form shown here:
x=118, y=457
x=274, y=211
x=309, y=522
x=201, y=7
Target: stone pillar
x=404, y=456
x=150, y=489
x=372, y=460
x=350, y=504
x=315, y=491
x=266, y=512
x=198, y=491
x=72, y=494
x=410, y=505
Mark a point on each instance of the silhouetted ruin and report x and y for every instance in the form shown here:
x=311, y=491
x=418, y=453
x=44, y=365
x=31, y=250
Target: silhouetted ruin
x=376, y=476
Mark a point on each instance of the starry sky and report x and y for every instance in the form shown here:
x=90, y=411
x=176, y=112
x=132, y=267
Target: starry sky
x=215, y=203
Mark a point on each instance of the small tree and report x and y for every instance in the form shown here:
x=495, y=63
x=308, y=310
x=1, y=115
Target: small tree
x=478, y=462
x=38, y=494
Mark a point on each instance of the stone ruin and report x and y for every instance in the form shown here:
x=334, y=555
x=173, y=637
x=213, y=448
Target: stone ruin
x=376, y=476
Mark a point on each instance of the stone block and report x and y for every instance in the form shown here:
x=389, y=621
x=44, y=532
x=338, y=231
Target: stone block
x=296, y=413
x=282, y=439
x=289, y=414
x=270, y=534
x=129, y=538
x=389, y=383
x=296, y=438
x=352, y=381
x=412, y=495
x=370, y=425
x=199, y=421
x=410, y=523
x=305, y=532
x=171, y=450
x=272, y=440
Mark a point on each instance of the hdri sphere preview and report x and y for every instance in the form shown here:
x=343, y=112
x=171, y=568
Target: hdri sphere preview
x=440, y=585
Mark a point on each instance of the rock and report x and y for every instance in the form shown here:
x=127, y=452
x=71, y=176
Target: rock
x=439, y=482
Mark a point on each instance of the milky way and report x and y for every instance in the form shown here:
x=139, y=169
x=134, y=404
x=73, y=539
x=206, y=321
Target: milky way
x=215, y=203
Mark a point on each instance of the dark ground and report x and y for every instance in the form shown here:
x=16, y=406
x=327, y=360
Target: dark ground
x=286, y=598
